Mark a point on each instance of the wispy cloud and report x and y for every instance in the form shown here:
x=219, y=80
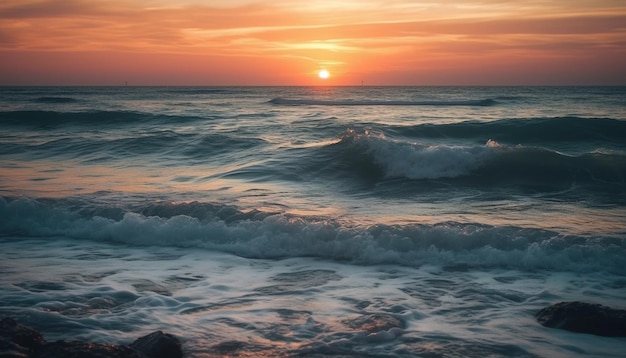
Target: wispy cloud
x=344, y=33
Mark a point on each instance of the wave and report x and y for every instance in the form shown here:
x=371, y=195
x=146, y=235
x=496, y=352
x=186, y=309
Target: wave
x=275, y=235
x=55, y=100
x=162, y=144
x=409, y=160
x=316, y=102
x=53, y=119
x=492, y=163
x=534, y=130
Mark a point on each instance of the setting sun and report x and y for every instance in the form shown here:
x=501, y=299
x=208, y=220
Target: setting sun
x=323, y=74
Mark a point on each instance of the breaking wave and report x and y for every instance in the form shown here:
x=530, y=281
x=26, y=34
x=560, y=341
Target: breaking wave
x=490, y=161
x=274, y=235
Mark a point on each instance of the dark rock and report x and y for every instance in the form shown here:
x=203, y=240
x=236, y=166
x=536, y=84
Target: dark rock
x=375, y=322
x=159, y=345
x=584, y=318
x=17, y=340
x=85, y=350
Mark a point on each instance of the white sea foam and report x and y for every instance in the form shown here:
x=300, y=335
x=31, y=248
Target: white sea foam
x=220, y=304
x=419, y=161
x=280, y=235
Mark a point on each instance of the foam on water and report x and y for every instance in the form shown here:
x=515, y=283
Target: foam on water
x=477, y=165
x=266, y=235
x=419, y=161
x=227, y=305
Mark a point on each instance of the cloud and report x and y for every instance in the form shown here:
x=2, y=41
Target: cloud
x=400, y=34
x=84, y=25
x=47, y=9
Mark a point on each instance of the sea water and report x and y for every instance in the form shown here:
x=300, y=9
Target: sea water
x=270, y=221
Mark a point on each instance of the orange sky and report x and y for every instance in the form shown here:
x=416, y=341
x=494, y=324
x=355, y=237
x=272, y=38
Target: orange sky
x=286, y=42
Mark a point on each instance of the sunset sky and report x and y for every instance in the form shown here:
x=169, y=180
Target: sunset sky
x=287, y=42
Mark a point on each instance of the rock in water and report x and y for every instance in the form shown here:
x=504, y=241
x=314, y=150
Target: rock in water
x=584, y=318
x=17, y=340
x=159, y=345
x=374, y=323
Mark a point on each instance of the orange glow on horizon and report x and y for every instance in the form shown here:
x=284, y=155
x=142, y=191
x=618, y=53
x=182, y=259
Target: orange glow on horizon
x=245, y=42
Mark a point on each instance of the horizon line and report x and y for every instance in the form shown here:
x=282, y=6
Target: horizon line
x=315, y=85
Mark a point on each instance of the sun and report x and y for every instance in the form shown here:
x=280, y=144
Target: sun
x=323, y=74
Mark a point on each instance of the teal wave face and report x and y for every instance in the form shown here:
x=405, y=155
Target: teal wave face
x=491, y=163
x=273, y=235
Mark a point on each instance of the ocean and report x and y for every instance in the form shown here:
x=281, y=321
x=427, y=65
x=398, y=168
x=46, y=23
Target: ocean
x=314, y=221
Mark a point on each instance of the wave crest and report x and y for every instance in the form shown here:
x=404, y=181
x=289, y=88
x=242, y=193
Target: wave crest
x=279, y=235
x=418, y=161
x=492, y=163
